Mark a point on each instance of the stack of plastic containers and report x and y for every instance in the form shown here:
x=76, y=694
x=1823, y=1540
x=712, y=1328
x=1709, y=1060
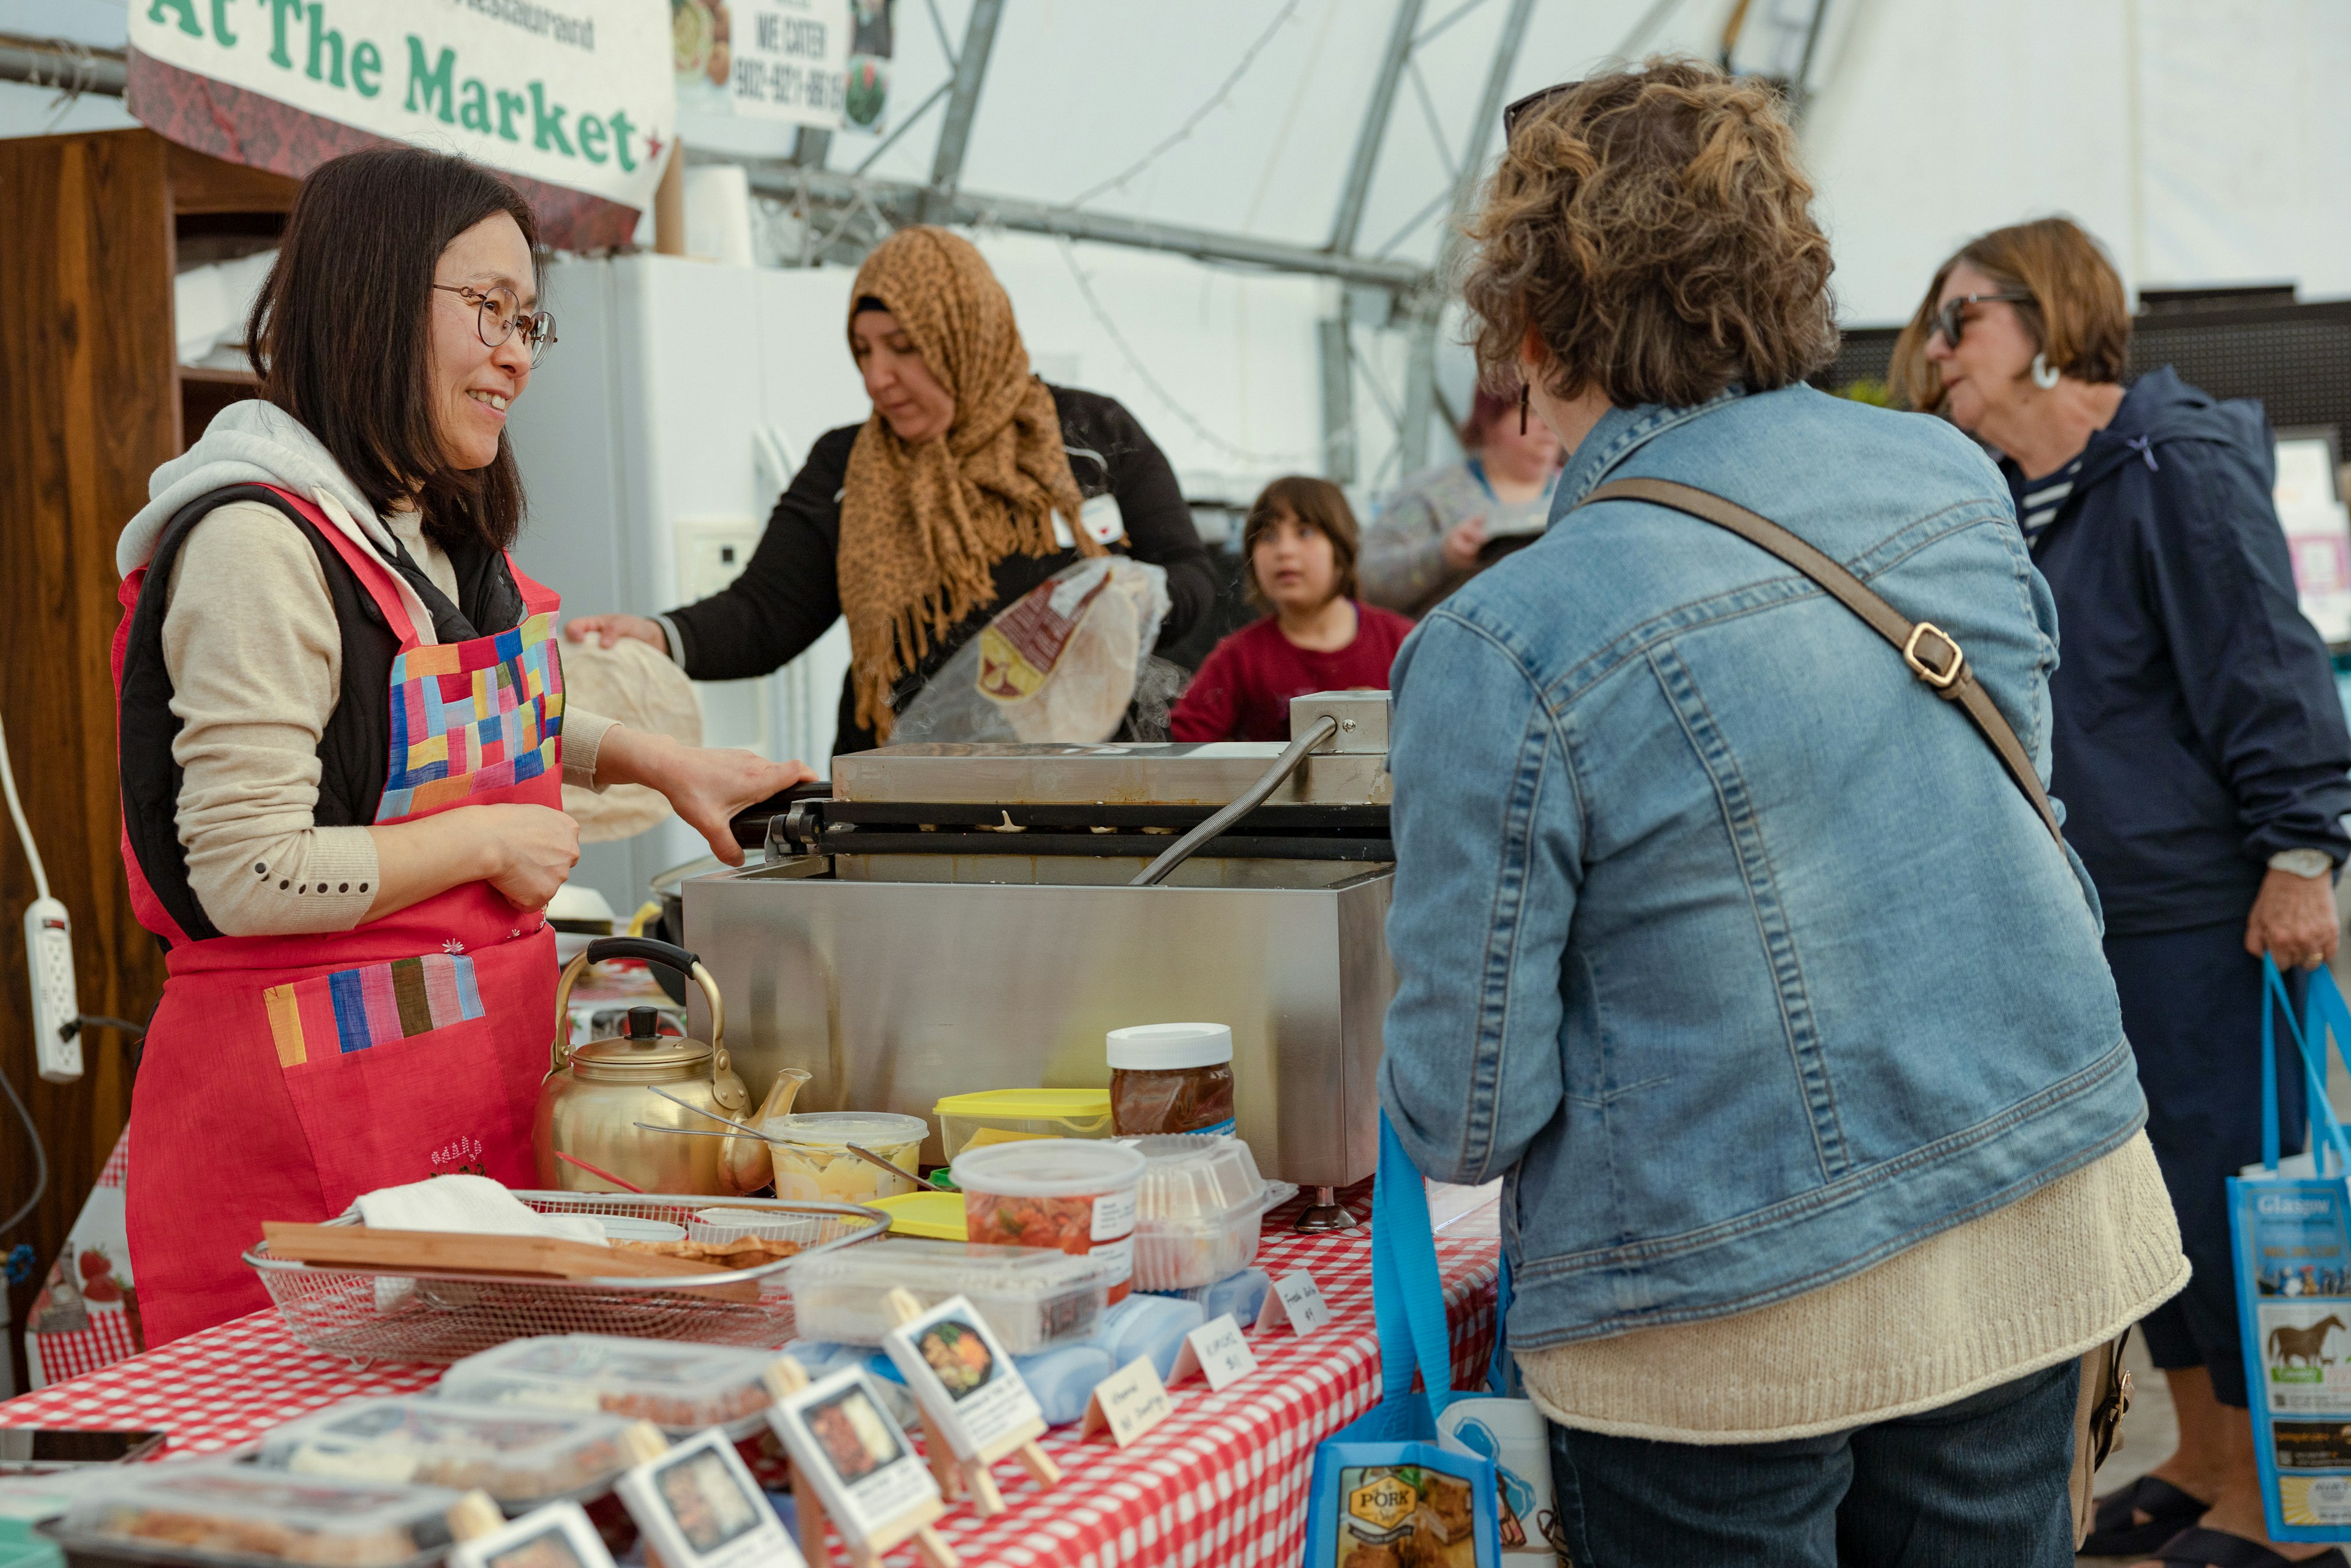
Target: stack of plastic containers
x=677, y=1386
x=521, y=1458
x=238, y=1514
x=1198, y=1206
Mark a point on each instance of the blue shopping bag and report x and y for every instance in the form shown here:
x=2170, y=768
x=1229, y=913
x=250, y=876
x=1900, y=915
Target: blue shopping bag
x=2292, y=1237
x=1383, y=1489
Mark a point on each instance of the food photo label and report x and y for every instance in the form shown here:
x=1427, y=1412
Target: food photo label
x=699, y=1507
x=1130, y=1402
x=557, y=1536
x=1218, y=1350
x=846, y=1442
x=959, y=1374
x=1297, y=1301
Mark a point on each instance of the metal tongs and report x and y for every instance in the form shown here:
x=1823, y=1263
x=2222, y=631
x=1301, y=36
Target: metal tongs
x=868, y=1155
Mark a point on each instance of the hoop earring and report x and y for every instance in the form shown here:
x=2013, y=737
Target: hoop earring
x=1524, y=388
x=2044, y=375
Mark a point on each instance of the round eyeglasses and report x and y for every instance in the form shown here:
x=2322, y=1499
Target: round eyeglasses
x=498, y=315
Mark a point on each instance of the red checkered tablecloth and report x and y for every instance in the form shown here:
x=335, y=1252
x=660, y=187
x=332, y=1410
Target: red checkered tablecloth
x=1223, y=1481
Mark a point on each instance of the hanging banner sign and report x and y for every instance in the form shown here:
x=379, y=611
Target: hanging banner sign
x=576, y=93
x=791, y=60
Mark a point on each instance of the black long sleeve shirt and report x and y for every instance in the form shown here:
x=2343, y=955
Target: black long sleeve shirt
x=789, y=594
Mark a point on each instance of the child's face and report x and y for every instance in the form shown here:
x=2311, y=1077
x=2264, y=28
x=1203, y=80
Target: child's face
x=1296, y=567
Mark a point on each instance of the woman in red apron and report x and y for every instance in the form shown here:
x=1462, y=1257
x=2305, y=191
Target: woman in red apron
x=343, y=742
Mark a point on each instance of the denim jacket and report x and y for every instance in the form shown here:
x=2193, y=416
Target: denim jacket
x=1720, y=936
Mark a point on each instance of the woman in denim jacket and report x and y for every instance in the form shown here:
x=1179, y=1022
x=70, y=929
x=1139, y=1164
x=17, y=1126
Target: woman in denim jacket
x=1723, y=938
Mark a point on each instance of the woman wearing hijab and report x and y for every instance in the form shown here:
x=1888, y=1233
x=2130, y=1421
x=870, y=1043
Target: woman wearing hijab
x=970, y=483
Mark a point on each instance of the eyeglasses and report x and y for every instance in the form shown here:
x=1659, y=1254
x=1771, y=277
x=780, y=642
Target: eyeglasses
x=498, y=315
x=1520, y=108
x=1950, y=319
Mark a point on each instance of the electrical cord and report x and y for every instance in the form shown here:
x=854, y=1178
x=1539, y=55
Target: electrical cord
x=137, y=1031
x=16, y=814
x=40, y=888
x=40, y=1159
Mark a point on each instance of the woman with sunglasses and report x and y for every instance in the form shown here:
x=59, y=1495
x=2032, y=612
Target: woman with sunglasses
x=2198, y=742
x=343, y=742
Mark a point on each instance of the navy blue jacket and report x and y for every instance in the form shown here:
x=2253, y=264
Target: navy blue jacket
x=2197, y=729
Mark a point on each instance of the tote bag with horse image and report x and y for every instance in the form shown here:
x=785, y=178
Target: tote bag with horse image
x=2292, y=1236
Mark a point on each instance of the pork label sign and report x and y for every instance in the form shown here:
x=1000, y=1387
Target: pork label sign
x=577, y=93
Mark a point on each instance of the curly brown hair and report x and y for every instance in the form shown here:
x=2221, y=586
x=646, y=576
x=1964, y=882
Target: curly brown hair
x=2079, y=315
x=1652, y=225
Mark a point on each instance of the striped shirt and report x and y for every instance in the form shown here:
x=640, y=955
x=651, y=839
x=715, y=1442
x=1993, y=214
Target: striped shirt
x=2038, y=501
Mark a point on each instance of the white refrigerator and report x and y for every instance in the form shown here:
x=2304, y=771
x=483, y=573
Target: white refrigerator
x=677, y=401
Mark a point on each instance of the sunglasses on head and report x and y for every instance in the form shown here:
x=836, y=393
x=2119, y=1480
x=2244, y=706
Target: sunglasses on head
x=1950, y=317
x=1520, y=108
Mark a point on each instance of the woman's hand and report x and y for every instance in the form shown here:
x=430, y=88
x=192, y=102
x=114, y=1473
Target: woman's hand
x=2294, y=920
x=524, y=851
x=609, y=629
x=1462, y=543
x=533, y=849
x=707, y=787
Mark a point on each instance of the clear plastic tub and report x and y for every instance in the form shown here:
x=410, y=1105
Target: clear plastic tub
x=814, y=1164
x=218, y=1512
x=521, y=1458
x=1064, y=1193
x=1032, y=1297
x=1198, y=1208
x=679, y=1387
x=1017, y=1115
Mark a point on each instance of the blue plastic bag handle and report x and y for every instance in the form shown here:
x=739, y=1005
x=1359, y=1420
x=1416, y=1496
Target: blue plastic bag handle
x=2326, y=1009
x=1408, y=1293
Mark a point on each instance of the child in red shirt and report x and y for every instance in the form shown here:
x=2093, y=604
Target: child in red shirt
x=1299, y=544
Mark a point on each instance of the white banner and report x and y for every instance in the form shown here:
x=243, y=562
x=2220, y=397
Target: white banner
x=577, y=93
x=791, y=61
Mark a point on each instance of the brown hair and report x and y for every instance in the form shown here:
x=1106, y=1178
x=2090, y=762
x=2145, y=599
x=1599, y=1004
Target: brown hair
x=1654, y=228
x=2079, y=316
x=342, y=331
x=1484, y=409
x=1320, y=506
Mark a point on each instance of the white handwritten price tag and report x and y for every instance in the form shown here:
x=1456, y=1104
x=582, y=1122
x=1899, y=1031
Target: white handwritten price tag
x=1130, y=1402
x=1219, y=1349
x=1297, y=1301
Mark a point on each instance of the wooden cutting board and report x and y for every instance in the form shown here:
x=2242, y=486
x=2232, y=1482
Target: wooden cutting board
x=452, y=1252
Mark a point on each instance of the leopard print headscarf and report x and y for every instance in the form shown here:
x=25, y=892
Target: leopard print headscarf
x=922, y=526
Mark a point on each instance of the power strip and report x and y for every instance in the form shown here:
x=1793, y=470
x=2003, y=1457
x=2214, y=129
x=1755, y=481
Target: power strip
x=48, y=964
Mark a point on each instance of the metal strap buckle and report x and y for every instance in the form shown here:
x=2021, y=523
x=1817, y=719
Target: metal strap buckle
x=1942, y=679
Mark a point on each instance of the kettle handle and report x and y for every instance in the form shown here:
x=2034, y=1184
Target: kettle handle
x=669, y=956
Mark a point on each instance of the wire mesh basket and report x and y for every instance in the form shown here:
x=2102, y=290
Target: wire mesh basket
x=368, y=1315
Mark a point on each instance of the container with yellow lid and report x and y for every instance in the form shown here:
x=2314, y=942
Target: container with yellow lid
x=1011, y=1115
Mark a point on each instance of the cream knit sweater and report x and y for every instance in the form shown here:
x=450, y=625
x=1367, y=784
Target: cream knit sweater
x=2039, y=1281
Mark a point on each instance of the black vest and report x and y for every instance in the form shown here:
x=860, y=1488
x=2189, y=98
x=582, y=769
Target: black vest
x=354, y=757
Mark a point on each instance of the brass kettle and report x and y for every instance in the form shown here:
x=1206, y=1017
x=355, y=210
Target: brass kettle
x=595, y=1096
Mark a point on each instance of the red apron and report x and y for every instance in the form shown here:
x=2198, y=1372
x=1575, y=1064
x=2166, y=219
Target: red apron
x=284, y=1076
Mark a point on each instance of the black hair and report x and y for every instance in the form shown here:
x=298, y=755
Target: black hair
x=342, y=332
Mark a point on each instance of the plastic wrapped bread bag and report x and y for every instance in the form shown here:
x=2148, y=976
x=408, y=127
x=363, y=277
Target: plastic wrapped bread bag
x=1058, y=664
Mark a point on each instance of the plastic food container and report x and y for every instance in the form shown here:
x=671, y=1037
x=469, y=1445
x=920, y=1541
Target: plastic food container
x=678, y=1386
x=1197, y=1210
x=722, y=1227
x=1063, y=1193
x=821, y=1169
x=1031, y=1297
x=521, y=1458
x=936, y=1214
x=1171, y=1078
x=629, y=1227
x=1016, y=1116
x=217, y=1511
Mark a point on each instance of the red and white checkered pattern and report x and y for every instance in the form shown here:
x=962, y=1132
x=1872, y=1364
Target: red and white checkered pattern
x=1223, y=1481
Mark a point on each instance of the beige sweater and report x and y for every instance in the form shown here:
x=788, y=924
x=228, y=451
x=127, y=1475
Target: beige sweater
x=253, y=692
x=2039, y=1281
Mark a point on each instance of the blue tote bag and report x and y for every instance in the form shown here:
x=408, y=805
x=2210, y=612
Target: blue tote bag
x=2292, y=1236
x=1383, y=1483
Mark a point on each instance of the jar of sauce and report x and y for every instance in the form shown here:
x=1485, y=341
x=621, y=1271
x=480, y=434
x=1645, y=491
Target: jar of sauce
x=1171, y=1078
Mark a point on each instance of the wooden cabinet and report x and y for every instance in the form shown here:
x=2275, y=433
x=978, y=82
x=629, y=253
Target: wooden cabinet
x=92, y=398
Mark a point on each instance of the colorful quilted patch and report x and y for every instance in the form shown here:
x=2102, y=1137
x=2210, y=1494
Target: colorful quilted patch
x=472, y=716
x=353, y=1009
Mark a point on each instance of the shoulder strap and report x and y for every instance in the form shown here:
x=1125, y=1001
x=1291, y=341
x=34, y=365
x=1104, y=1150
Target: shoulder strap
x=1932, y=653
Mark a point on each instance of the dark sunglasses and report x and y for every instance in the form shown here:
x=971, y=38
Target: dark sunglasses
x=1950, y=317
x=1520, y=108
